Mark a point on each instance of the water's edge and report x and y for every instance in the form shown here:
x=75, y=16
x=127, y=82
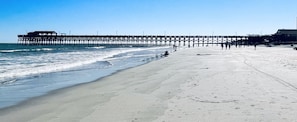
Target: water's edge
x=31, y=100
x=34, y=86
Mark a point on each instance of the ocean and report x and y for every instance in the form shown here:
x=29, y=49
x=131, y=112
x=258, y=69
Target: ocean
x=31, y=71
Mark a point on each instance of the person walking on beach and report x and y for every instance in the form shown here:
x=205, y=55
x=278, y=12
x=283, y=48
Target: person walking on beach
x=174, y=47
x=255, y=45
x=222, y=45
x=226, y=45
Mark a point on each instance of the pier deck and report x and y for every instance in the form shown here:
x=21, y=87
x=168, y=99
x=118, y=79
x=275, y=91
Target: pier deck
x=52, y=38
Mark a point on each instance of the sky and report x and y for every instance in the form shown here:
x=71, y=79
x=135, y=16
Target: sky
x=148, y=17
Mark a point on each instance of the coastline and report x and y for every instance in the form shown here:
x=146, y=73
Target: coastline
x=48, y=68
x=197, y=84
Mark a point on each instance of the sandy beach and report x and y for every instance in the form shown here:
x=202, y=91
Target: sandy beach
x=202, y=84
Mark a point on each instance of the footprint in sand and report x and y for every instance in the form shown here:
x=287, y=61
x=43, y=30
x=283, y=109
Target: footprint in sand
x=134, y=120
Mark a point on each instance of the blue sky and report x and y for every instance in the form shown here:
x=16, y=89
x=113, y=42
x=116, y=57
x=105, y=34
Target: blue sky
x=170, y=17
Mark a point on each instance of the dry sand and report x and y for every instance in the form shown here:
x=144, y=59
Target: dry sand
x=234, y=85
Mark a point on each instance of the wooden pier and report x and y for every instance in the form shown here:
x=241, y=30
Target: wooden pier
x=52, y=38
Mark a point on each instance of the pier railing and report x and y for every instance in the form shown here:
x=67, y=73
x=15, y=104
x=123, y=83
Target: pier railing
x=55, y=39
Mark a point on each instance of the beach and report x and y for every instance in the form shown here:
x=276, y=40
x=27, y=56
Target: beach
x=204, y=84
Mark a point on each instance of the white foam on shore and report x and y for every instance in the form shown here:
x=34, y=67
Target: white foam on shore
x=55, y=62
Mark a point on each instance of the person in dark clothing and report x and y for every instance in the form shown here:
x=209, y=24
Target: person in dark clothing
x=166, y=53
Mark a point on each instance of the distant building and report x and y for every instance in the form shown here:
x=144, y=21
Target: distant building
x=42, y=33
x=287, y=32
x=285, y=36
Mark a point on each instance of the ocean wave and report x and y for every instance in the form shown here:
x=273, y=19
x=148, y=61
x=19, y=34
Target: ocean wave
x=63, y=61
x=58, y=62
x=9, y=51
x=7, y=81
x=43, y=49
x=26, y=50
x=99, y=47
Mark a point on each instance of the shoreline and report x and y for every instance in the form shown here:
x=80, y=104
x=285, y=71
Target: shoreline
x=52, y=94
x=54, y=80
x=204, y=84
x=22, y=103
